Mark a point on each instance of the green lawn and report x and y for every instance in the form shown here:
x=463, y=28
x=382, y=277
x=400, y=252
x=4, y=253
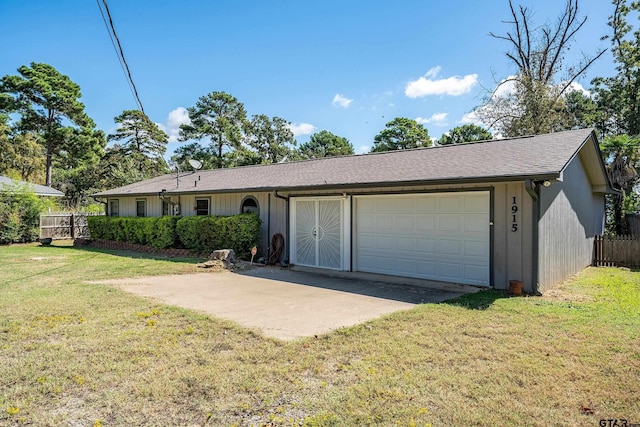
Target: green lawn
x=79, y=354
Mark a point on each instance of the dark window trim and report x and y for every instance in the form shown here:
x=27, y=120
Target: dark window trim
x=144, y=214
x=254, y=199
x=111, y=209
x=208, y=199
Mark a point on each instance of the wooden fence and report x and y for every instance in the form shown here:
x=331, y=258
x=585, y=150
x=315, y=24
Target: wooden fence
x=64, y=225
x=616, y=251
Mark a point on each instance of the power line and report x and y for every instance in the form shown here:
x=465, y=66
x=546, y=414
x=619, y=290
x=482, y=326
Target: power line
x=111, y=30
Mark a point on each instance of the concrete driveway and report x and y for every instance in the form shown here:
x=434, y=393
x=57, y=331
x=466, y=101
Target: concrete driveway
x=286, y=304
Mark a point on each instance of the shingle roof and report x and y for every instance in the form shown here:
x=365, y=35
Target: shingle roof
x=40, y=190
x=539, y=157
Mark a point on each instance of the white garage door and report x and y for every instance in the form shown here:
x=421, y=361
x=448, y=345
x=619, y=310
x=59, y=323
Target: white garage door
x=438, y=236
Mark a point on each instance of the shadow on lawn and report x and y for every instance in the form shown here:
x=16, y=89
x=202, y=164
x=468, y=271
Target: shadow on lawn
x=128, y=254
x=479, y=300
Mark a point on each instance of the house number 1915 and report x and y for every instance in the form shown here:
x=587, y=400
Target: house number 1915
x=514, y=218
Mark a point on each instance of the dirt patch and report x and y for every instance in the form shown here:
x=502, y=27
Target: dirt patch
x=565, y=296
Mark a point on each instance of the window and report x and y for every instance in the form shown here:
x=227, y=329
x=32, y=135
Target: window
x=141, y=207
x=114, y=207
x=202, y=206
x=250, y=205
x=166, y=207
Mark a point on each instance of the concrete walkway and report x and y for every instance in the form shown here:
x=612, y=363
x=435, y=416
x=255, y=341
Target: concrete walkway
x=286, y=304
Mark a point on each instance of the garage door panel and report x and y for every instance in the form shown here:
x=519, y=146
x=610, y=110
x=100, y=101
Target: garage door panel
x=426, y=205
x=450, y=247
x=427, y=269
x=476, y=225
x=475, y=273
x=450, y=204
x=404, y=205
x=426, y=223
x=428, y=246
x=405, y=266
x=384, y=243
x=404, y=223
x=405, y=244
x=476, y=249
x=384, y=222
x=440, y=236
x=476, y=204
x=449, y=270
x=449, y=225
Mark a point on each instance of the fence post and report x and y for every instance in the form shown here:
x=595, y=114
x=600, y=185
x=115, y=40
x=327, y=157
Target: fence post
x=73, y=226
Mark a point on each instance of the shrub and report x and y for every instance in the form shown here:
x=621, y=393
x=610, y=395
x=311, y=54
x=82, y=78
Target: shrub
x=157, y=232
x=207, y=233
x=200, y=233
x=20, y=209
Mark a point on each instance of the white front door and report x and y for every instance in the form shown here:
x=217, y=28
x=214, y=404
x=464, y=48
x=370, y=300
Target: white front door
x=318, y=232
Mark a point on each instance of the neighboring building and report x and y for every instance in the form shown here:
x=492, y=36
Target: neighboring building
x=40, y=190
x=479, y=213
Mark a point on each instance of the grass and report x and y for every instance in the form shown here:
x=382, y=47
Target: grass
x=80, y=354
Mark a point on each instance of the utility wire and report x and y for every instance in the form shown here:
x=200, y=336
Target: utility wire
x=119, y=52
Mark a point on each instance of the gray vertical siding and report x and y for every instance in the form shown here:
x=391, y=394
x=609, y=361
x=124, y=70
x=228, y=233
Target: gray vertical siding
x=570, y=216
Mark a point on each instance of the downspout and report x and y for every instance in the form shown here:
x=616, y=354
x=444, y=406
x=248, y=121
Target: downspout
x=268, y=228
x=534, y=192
x=287, y=243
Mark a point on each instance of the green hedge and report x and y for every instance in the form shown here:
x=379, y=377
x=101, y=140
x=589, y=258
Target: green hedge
x=200, y=233
x=207, y=233
x=157, y=232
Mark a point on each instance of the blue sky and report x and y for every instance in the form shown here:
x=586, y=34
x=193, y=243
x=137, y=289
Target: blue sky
x=346, y=66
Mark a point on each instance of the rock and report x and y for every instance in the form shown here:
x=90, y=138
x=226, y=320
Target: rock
x=226, y=255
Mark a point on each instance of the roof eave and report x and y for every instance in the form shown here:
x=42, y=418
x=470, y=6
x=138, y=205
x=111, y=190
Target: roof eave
x=432, y=182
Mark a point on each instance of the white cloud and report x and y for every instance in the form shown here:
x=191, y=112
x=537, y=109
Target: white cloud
x=175, y=118
x=577, y=86
x=302, y=129
x=433, y=72
x=471, y=117
x=505, y=88
x=437, y=118
x=427, y=85
x=341, y=101
x=363, y=149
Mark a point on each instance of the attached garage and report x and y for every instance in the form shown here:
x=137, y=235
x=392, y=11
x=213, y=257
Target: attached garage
x=437, y=236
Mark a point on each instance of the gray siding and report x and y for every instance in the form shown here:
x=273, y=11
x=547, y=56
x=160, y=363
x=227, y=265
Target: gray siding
x=570, y=216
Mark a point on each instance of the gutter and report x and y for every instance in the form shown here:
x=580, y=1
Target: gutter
x=287, y=243
x=550, y=176
x=534, y=191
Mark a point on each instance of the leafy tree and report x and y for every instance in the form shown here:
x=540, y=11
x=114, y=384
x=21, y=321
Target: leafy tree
x=46, y=100
x=622, y=154
x=270, y=138
x=20, y=210
x=143, y=140
x=583, y=111
x=22, y=157
x=401, y=134
x=536, y=103
x=325, y=144
x=618, y=102
x=219, y=117
x=194, y=151
x=465, y=133
x=619, y=96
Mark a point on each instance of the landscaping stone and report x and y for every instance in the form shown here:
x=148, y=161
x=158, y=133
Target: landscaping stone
x=227, y=255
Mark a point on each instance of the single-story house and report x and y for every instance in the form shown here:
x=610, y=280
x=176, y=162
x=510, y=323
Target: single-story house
x=40, y=190
x=478, y=213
